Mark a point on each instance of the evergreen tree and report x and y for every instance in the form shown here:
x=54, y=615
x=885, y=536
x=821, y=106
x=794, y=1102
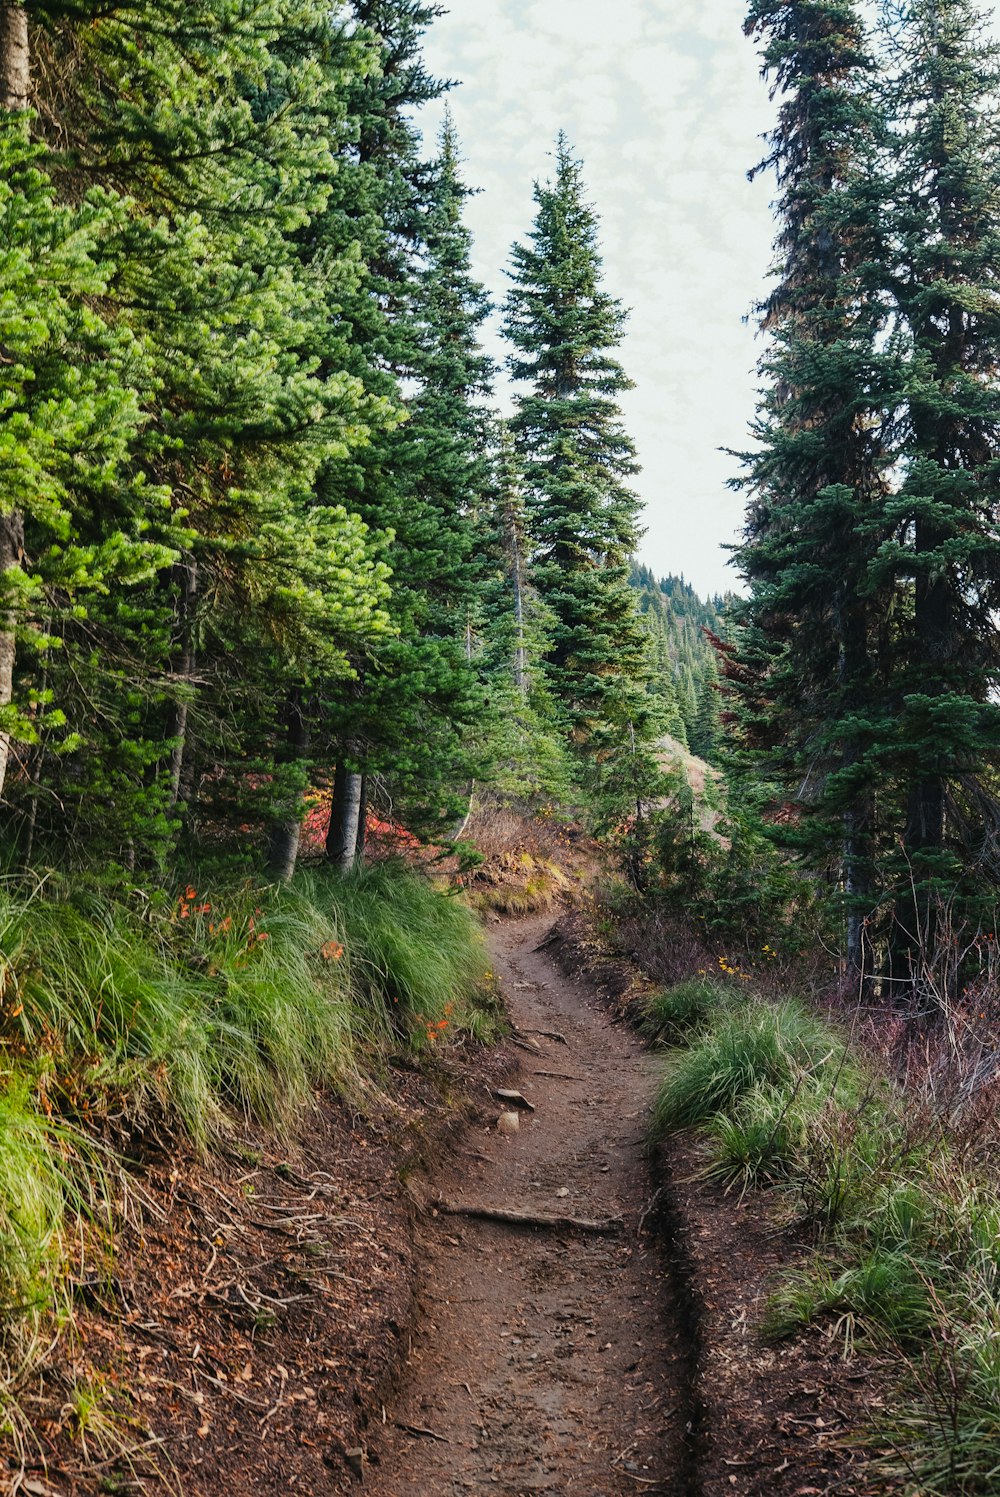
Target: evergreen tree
x=809, y=648
x=577, y=460
x=213, y=141
x=417, y=322
x=73, y=512
x=522, y=750
x=946, y=548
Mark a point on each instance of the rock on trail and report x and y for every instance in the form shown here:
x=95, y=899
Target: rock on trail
x=547, y=1359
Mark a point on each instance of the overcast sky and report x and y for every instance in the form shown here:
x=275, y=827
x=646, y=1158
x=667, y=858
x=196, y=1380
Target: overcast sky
x=662, y=101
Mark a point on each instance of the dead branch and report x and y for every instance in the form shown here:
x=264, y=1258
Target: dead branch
x=528, y=1218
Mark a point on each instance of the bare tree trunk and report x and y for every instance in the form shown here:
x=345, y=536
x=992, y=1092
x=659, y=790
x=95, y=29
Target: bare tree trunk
x=286, y=830
x=186, y=574
x=345, y=818
x=359, y=846
x=15, y=88
x=15, y=57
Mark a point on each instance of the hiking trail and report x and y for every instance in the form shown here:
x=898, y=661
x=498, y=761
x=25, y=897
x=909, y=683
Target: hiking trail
x=546, y=1359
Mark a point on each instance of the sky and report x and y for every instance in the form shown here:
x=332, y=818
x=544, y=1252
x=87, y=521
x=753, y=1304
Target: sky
x=662, y=101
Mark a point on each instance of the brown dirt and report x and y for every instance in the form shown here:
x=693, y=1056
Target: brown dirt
x=792, y=1419
x=546, y=1361
x=254, y=1316
x=259, y=1313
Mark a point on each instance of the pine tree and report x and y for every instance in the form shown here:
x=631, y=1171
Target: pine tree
x=809, y=630
x=577, y=461
x=522, y=749
x=213, y=138
x=946, y=150
x=417, y=319
x=73, y=510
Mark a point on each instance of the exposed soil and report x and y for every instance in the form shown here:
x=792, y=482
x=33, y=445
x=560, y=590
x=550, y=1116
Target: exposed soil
x=793, y=1419
x=547, y=1360
x=259, y=1326
x=257, y=1308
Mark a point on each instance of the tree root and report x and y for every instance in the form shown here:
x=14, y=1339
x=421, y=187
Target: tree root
x=509, y=1218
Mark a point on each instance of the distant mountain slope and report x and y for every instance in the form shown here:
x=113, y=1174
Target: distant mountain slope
x=686, y=674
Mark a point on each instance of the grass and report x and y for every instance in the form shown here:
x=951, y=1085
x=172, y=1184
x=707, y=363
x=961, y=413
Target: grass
x=907, y=1240
x=743, y=1049
x=207, y=1007
x=673, y=1015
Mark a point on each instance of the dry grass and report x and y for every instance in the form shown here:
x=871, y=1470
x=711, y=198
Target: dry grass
x=530, y=860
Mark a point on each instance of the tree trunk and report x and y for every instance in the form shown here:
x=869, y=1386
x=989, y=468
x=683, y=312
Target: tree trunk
x=517, y=582
x=15, y=57
x=925, y=833
x=359, y=846
x=345, y=818
x=11, y=551
x=15, y=88
x=286, y=830
x=186, y=575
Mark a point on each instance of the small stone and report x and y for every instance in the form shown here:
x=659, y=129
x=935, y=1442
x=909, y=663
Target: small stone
x=514, y=1099
x=508, y=1122
x=356, y=1461
x=562, y=1192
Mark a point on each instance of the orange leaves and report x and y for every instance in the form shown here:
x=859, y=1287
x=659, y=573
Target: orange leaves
x=434, y=1029
x=332, y=951
x=187, y=908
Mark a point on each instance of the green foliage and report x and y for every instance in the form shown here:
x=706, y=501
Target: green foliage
x=417, y=954
x=581, y=516
x=685, y=674
x=757, y=1142
x=673, y=1016
x=758, y=1045
x=714, y=854
x=908, y=1241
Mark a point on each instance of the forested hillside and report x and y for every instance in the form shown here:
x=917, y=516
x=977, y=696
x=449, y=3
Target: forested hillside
x=686, y=676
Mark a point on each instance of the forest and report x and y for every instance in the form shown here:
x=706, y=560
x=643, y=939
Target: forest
x=313, y=653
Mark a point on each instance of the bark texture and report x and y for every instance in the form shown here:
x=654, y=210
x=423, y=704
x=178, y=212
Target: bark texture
x=345, y=819
x=15, y=57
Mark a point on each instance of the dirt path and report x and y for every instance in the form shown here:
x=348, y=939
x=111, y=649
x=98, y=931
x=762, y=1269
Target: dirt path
x=546, y=1360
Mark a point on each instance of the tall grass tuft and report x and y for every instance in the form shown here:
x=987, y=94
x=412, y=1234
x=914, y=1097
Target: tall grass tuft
x=907, y=1244
x=673, y=1015
x=754, y=1046
x=230, y=1002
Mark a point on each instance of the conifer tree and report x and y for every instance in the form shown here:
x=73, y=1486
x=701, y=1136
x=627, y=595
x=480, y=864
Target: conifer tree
x=523, y=751
x=424, y=481
x=811, y=697
x=946, y=546
x=577, y=461
x=214, y=138
x=73, y=511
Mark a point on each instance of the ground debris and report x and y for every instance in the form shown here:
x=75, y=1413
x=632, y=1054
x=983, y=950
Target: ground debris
x=510, y=1218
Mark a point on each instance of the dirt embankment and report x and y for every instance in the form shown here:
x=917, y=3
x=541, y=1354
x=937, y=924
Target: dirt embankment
x=259, y=1332
x=257, y=1310
x=794, y=1419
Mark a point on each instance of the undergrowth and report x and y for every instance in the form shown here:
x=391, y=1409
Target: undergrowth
x=204, y=1008
x=906, y=1238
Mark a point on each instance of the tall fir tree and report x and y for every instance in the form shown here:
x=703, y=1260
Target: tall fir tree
x=809, y=657
x=577, y=461
x=945, y=97
x=419, y=315
x=74, y=510
x=212, y=139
